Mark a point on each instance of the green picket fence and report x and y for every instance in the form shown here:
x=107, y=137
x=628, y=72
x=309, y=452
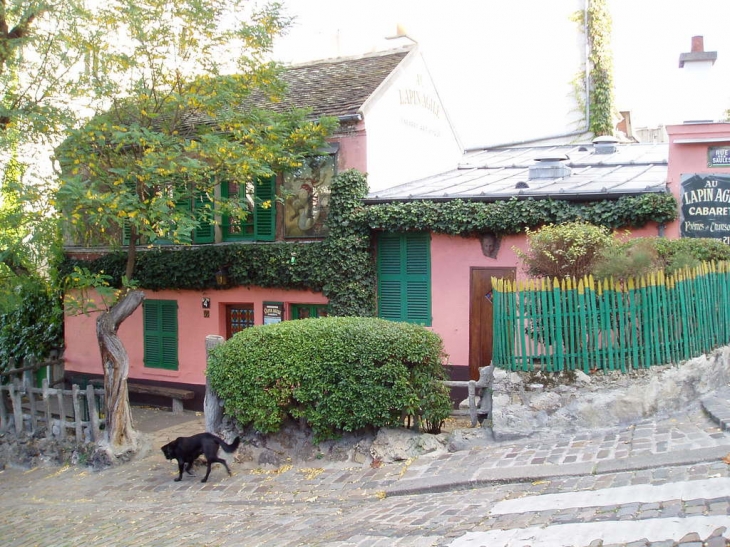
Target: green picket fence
x=608, y=325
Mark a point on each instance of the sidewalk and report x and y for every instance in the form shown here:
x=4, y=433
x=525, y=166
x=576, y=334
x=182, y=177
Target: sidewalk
x=699, y=435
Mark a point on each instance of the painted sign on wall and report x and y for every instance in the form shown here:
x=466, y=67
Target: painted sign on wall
x=307, y=201
x=705, y=206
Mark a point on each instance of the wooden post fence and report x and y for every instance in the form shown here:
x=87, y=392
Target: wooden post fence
x=35, y=408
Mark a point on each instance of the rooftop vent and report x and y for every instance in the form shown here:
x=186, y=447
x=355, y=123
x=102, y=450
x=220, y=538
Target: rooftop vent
x=605, y=144
x=550, y=166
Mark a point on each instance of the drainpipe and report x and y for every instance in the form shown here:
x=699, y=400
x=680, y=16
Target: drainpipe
x=587, y=101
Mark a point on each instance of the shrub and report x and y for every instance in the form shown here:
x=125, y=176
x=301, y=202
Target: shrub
x=34, y=327
x=701, y=249
x=335, y=373
x=640, y=256
x=621, y=261
x=565, y=250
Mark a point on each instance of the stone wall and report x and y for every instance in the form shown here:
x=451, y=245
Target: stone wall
x=534, y=403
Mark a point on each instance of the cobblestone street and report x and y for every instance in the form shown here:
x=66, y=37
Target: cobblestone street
x=655, y=484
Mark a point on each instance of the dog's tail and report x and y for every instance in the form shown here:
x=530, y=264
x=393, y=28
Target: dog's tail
x=230, y=447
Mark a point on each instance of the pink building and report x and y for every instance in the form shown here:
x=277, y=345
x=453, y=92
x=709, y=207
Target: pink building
x=395, y=127
x=392, y=126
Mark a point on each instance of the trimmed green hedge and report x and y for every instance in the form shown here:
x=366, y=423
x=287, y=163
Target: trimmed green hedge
x=335, y=373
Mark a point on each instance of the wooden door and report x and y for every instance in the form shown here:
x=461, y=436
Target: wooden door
x=238, y=317
x=481, y=333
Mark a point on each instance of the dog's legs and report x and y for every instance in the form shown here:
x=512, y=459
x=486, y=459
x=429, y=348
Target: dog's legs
x=205, y=479
x=189, y=469
x=211, y=462
x=180, y=465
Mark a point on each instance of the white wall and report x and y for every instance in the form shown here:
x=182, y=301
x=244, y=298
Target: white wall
x=503, y=69
x=408, y=130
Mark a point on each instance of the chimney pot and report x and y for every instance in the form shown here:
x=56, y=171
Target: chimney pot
x=698, y=44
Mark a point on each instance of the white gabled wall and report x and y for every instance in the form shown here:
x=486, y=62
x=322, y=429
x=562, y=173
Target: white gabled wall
x=409, y=133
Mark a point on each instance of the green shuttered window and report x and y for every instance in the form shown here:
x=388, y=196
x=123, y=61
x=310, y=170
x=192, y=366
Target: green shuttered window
x=160, y=334
x=260, y=224
x=404, y=277
x=202, y=206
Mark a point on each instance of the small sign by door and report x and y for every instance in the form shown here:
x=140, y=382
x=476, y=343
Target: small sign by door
x=273, y=312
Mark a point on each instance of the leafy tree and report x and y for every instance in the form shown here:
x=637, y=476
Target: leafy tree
x=42, y=44
x=183, y=76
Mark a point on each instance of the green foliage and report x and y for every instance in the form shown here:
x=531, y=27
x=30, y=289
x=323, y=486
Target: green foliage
x=512, y=216
x=337, y=374
x=596, y=22
x=341, y=266
x=637, y=257
x=39, y=45
x=34, y=327
x=601, y=69
x=702, y=249
x=565, y=250
x=624, y=260
x=148, y=164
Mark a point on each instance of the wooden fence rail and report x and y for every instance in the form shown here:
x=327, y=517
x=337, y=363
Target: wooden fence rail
x=589, y=325
x=479, y=410
x=55, y=411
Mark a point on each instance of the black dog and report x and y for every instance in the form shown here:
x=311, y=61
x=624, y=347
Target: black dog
x=187, y=449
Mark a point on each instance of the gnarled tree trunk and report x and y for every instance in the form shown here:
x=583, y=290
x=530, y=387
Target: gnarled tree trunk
x=115, y=361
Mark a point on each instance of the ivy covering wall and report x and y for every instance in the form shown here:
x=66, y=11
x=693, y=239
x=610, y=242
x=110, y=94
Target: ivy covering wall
x=342, y=266
x=595, y=21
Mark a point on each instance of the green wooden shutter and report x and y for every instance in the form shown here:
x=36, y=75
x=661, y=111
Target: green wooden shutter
x=205, y=232
x=390, y=302
x=418, y=278
x=404, y=277
x=265, y=217
x=160, y=334
x=126, y=232
x=126, y=228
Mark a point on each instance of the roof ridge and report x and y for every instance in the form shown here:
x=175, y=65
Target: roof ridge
x=344, y=59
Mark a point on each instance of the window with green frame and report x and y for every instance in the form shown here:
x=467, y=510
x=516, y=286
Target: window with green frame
x=404, y=277
x=259, y=198
x=204, y=233
x=305, y=311
x=160, y=334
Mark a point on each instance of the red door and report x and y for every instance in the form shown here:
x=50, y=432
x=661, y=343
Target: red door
x=481, y=329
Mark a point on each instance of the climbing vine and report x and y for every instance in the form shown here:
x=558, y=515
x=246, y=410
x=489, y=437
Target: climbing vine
x=342, y=266
x=596, y=22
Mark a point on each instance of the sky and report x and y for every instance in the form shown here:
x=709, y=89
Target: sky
x=502, y=63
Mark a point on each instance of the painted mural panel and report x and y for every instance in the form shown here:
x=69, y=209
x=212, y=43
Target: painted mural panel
x=705, y=206
x=307, y=196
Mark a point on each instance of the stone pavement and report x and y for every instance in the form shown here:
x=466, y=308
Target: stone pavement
x=661, y=482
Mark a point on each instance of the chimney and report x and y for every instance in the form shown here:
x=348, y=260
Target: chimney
x=698, y=53
x=697, y=92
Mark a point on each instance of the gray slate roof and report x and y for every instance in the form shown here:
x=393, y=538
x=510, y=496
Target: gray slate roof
x=337, y=87
x=496, y=174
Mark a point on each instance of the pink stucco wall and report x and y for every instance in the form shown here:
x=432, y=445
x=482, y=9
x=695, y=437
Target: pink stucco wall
x=352, y=152
x=82, y=351
x=452, y=258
